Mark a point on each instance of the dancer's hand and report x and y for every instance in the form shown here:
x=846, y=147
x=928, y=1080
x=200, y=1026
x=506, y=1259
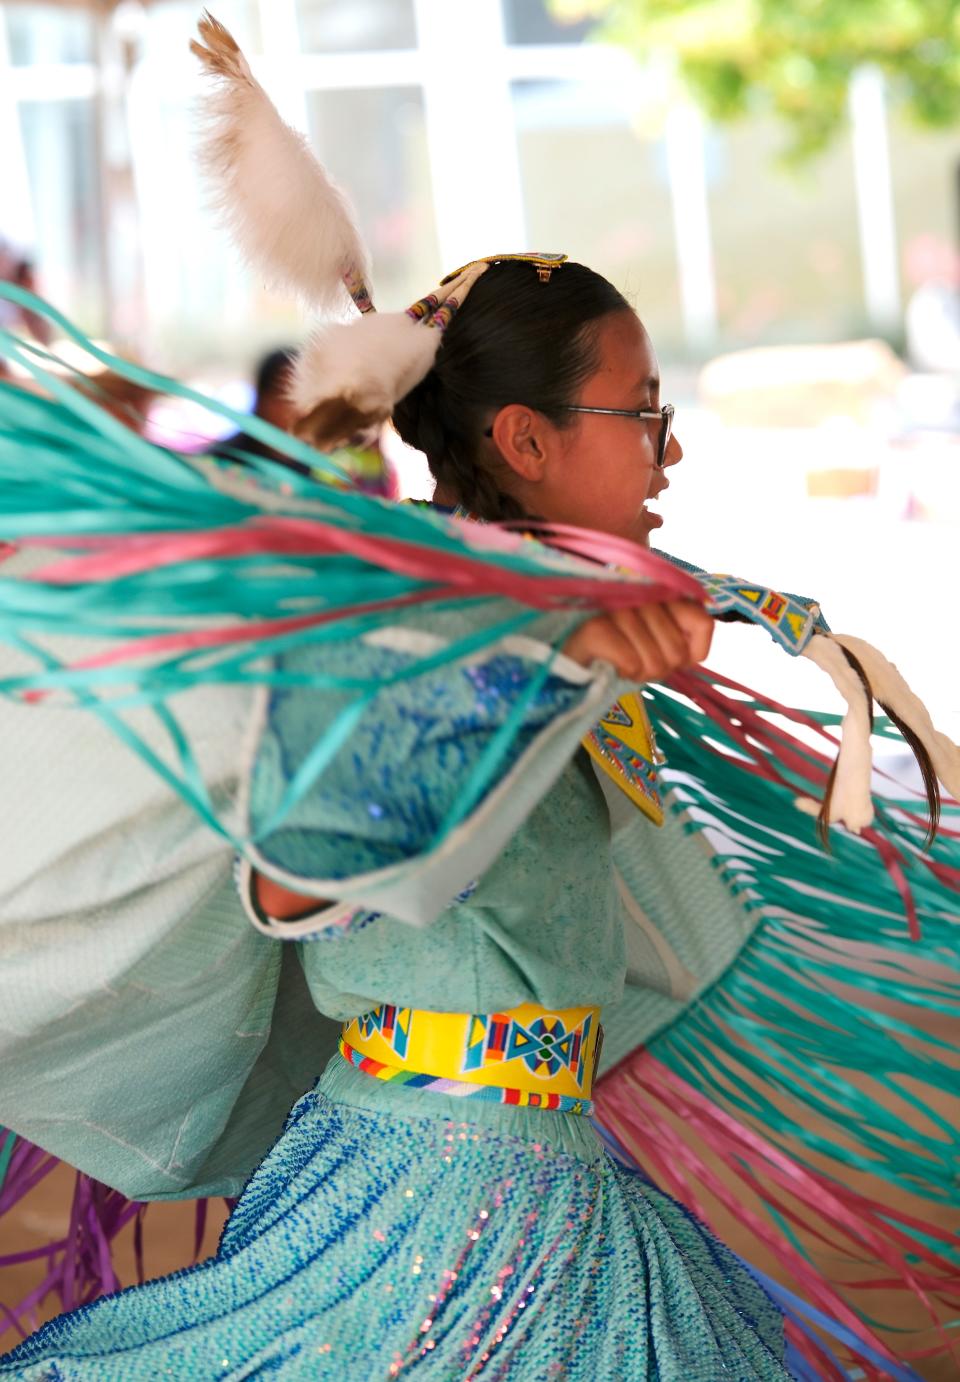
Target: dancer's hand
x=646, y=643
x=281, y=903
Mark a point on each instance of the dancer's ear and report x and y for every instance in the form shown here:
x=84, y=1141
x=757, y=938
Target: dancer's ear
x=523, y=438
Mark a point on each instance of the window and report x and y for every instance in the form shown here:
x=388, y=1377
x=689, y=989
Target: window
x=48, y=151
x=796, y=275
x=47, y=34
x=529, y=21
x=59, y=139
x=925, y=167
x=457, y=129
x=374, y=143
x=330, y=26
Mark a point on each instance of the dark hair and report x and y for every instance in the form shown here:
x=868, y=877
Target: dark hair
x=515, y=340
x=273, y=371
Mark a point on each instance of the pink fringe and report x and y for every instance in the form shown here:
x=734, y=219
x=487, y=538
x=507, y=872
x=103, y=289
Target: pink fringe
x=312, y=537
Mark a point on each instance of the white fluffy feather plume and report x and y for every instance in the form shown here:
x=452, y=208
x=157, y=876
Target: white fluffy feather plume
x=349, y=376
x=287, y=216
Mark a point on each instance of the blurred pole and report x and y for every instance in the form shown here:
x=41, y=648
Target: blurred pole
x=875, y=210
x=471, y=133
x=16, y=206
x=119, y=35
x=684, y=135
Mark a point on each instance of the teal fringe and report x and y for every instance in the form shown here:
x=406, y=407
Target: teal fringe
x=828, y=1005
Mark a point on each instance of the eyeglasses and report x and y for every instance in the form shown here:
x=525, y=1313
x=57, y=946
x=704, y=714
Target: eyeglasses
x=664, y=414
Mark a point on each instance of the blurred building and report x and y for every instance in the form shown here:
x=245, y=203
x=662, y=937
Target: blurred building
x=460, y=127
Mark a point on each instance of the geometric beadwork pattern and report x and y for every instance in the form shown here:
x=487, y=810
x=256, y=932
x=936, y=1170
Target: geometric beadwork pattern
x=544, y=1046
x=393, y=1025
x=789, y=621
x=518, y=1098
x=640, y=770
x=623, y=745
x=618, y=715
x=529, y=1055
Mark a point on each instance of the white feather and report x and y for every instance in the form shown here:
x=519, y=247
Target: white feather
x=287, y=216
x=370, y=362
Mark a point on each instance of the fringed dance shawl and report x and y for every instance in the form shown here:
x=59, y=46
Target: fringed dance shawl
x=785, y=1061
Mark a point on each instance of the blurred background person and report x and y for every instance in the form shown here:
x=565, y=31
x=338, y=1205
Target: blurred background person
x=272, y=403
x=932, y=317
x=366, y=462
x=124, y=399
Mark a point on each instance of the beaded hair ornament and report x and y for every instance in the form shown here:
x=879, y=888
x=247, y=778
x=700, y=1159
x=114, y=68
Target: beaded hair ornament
x=294, y=224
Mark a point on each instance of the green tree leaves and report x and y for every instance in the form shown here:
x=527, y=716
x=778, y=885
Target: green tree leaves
x=793, y=57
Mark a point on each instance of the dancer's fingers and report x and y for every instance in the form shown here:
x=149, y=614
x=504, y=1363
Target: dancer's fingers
x=697, y=625
x=600, y=640
x=645, y=643
x=658, y=641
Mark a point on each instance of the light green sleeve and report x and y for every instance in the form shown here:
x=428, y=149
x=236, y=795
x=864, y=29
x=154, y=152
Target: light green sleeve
x=145, y=1027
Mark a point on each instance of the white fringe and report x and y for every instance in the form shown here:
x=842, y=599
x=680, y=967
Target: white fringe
x=890, y=688
x=851, y=804
x=287, y=216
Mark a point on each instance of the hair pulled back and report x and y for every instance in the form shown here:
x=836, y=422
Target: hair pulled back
x=514, y=340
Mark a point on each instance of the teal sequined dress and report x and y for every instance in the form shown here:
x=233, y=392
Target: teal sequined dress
x=393, y=1240
x=391, y=1231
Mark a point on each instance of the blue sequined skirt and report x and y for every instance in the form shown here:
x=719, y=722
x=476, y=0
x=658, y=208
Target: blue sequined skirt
x=374, y=1244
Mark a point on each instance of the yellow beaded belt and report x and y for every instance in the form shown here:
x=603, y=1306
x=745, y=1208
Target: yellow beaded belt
x=529, y=1056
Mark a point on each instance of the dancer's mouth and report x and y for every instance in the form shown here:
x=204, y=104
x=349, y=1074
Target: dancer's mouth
x=650, y=516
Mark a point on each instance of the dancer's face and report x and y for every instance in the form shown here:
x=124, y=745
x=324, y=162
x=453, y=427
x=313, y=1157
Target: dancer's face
x=598, y=470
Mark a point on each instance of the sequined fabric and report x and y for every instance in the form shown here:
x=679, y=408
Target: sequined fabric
x=373, y=1245
x=386, y=793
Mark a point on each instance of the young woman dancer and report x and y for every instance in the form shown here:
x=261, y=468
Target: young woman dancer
x=469, y=874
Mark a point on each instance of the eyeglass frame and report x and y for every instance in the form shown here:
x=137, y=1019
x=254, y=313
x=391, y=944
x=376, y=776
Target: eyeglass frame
x=664, y=414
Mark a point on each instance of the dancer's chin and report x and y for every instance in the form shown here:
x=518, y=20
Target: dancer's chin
x=648, y=521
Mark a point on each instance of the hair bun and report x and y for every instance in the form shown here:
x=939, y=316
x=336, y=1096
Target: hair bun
x=419, y=419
